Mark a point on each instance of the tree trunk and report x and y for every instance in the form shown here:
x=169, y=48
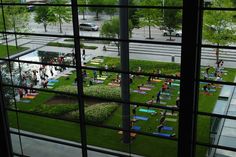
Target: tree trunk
x=15, y=34
x=83, y=15
x=149, y=32
x=217, y=53
x=60, y=23
x=45, y=27
x=97, y=15
x=170, y=35
x=118, y=47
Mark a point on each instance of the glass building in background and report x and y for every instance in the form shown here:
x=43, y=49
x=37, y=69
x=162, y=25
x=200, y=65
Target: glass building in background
x=117, y=78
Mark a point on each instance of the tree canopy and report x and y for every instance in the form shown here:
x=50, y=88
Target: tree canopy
x=97, y=10
x=149, y=17
x=62, y=14
x=218, y=26
x=44, y=15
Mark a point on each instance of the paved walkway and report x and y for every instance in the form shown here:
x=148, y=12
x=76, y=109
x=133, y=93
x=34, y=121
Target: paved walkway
x=39, y=148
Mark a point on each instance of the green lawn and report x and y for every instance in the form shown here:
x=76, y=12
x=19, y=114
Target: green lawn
x=12, y=50
x=143, y=145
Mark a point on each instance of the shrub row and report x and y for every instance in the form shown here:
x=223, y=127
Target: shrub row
x=57, y=44
x=55, y=109
x=95, y=90
x=97, y=113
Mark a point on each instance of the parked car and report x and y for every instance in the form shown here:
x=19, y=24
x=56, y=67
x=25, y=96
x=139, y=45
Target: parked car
x=177, y=33
x=88, y=27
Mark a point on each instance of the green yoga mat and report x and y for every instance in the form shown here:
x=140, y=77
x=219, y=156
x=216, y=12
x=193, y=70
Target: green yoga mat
x=147, y=110
x=171, y=119
x=101, y=78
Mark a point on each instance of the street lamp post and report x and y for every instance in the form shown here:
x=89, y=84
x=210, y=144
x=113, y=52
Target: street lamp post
x=163, y=10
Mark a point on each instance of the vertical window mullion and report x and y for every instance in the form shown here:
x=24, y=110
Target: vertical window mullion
x=124, y=59
x=190, y=60
x=79, y=77
x=5, y=138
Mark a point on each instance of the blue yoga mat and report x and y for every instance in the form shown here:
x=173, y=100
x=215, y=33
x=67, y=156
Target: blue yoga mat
x=25, y=101
x=161, y=134
x=167, y=128
x=136, y=128
x=140, y=92
x=141, y=118
x=53, y=81
x=147, y=110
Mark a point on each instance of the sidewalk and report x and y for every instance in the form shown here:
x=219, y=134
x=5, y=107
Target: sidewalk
x=39, y=148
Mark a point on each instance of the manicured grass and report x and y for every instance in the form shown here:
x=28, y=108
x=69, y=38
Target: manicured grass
x=12, y=50
x=143, y=145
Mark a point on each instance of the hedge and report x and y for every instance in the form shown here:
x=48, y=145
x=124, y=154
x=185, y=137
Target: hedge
x=55, y=109
x=97, y=113
x=57, y=44
x=95, y=90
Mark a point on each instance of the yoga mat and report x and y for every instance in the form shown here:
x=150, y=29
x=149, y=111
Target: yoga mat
x=167, y=128
x=211, y=90
x=148, y=86
x=98, y=81
x=53, y=81
x=166, y=94
x=94, y=63
x=162, y=103
x=51, y=84
x=175, y=84
x=140, y=92
x=140, y=118
x=146, y=89
x=147, y=110
x=25, y=101
x=32, y=94
x=28, y=97
x=171, y=119
x=169, y=114
x=162, y=134
x=156, y=80
x=165, y=98
x=136, y=128
x=50, y=87
x=101, y=78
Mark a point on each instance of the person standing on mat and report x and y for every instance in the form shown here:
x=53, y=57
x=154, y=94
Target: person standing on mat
x=158, y=97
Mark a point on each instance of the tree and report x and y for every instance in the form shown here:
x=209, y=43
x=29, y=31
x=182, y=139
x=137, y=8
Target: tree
x=111, y=10
x=97, y=10
x=16, y=18
x=43, y=15
x=62, y=14
x=132, y=14
x=111, y=29
x=82, y=9
x=217, y=27
x=148, y=17
x=172, y=18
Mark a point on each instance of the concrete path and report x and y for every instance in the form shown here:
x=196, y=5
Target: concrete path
x=39, y=148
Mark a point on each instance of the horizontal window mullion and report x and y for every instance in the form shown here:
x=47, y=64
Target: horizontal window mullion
x=221, y=47
x=216, y=115
x=216, y=146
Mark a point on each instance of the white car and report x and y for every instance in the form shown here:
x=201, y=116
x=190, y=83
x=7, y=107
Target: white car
x=88, y=27
x=177, y=33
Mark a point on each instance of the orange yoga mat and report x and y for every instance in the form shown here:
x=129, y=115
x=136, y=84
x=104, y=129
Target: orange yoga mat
x=29, y=97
